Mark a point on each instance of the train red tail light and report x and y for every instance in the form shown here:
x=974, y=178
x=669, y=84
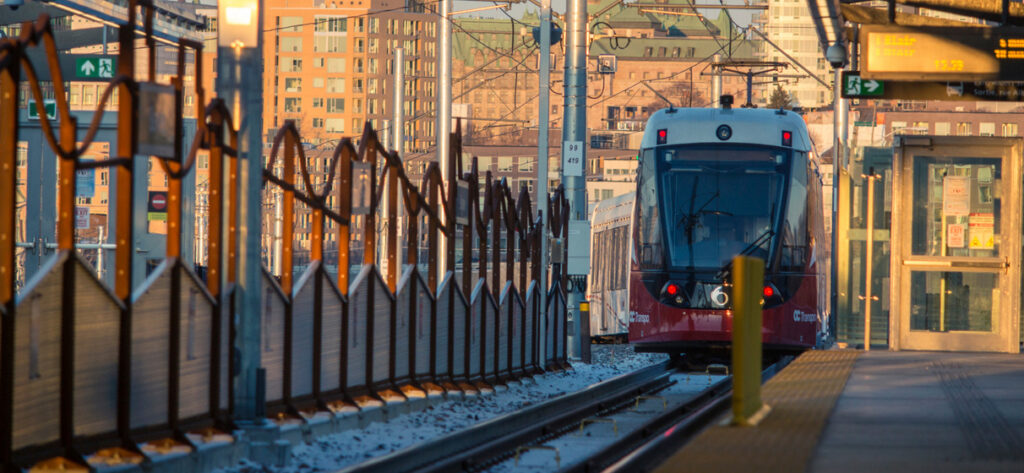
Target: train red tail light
x=662, y=136
x=772, y=296
x=672, y=289
x=787, y=138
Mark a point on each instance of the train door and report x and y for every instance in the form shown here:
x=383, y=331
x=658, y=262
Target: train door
x=956, y=244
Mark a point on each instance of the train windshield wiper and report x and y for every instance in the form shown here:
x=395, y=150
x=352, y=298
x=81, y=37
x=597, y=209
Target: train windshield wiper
x=757, y=243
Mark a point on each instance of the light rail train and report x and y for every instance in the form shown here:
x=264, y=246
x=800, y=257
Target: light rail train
x=713, y=184
x=609, y=268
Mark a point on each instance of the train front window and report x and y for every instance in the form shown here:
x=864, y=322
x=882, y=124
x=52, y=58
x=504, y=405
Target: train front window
x=719, y=202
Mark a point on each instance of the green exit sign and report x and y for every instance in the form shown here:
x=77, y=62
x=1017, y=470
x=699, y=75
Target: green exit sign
x=95, y=67
x=854, y=86
x=49, y=104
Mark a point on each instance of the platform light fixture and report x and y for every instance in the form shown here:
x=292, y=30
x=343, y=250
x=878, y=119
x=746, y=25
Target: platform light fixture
x=238, y=23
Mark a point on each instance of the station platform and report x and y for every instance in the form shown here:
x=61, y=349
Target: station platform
x=852, y=411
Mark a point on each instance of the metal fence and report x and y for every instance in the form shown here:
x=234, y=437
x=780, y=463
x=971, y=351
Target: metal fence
x=88, y=368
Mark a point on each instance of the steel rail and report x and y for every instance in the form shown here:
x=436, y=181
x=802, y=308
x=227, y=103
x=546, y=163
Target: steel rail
x=471, y=448
x=650, y=445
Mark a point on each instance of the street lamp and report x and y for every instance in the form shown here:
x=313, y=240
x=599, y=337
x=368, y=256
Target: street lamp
x=240, y=85
x=238, y=24
x=837, y=57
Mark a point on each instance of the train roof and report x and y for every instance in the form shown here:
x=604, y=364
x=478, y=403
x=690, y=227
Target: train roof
x=749, y=126
x=613, y=212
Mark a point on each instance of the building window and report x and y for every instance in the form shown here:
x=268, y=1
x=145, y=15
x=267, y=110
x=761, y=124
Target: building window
x=290, y=24
x=357, y=85
x=505, y=164
x=292, y=104
x=292, y=84
x=335, y=105
x=336, y=85
x=318, y=82
x=88, y=94
x=329, y=43
x=292, y=44
x=1009, y=129
x=963, y=129
x=330, y=24
x=942, y=128
x=291, y=65
x=318, y=102
x=336, y=125
x=336, y=64
x=987, y=129
x=76, y=94
x=318, y=123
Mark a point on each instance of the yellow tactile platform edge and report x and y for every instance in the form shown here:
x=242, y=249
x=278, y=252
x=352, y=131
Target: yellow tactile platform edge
x=801, y=398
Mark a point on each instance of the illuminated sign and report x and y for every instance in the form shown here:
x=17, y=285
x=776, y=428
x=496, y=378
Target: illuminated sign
x=854, y=87
x=942, y=53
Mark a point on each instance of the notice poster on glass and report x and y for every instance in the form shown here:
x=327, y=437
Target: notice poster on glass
x=956, y=196
x=955, y=235
x=982, y=228
x=156, y=127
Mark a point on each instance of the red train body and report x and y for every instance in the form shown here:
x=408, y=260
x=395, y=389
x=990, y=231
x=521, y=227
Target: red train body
x=712, y=184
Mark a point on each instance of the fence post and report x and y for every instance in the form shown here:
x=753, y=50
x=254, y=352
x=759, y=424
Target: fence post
x=9, y=77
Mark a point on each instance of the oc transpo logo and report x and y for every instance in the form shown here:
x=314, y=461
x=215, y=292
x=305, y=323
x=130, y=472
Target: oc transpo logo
x=639, y=318
x=801, y=316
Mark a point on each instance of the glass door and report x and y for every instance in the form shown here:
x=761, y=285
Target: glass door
x=957, y=222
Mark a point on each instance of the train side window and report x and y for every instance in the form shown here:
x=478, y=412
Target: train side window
x=794, y=229
x=647, y=218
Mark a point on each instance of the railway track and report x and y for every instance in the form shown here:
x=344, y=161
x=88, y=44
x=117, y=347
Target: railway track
x=626, y=423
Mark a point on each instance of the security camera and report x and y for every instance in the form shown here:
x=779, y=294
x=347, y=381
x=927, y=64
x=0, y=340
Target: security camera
x=836, y=55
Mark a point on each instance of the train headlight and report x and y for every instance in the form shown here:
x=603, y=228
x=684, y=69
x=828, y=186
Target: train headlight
x=724, y=132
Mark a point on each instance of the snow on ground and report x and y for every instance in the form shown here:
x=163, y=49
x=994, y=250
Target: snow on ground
x=333, y=452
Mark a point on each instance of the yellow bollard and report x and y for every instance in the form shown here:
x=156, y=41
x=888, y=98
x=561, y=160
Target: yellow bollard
x=747, y=286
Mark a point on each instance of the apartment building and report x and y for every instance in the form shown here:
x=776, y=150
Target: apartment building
x=329, y=66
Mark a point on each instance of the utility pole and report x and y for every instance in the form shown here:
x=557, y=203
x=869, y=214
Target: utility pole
x=444, y=114
x=542, y=149
x=398, y=143
x=240, y=84
x=716, y=82
x=574, y=164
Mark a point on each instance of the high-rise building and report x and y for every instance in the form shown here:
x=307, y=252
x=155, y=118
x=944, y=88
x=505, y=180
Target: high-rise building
x=329, y=67
x=788, y=24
